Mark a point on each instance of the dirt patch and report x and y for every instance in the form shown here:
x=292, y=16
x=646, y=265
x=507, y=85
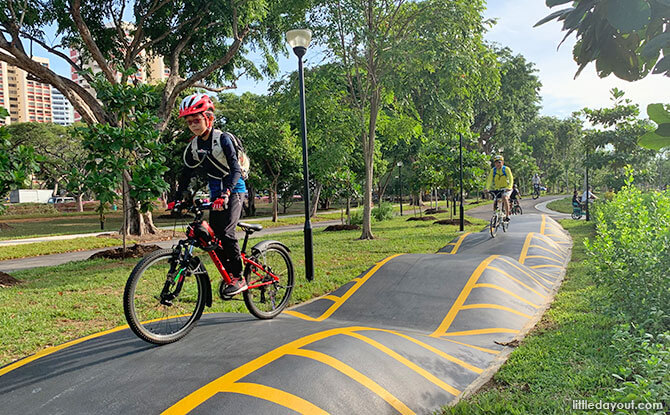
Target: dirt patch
x=7, y=280
x=421, y=218
x=5, y=227
x=160, y=235
x=135, y=251
x=434, y=211
x=452, y=222
x=333, y=228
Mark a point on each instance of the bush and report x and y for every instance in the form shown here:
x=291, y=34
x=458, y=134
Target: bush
x=382, y=212
x=357, y=218
x=631, y=255
x=644, y=369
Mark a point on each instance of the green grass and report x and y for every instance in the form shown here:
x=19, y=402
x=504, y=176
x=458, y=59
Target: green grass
x=561, y=205
x=567, y=356
x=57, y=304
x=57, y=247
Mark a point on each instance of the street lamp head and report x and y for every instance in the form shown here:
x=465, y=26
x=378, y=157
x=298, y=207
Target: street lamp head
x=399, y=164
x=299, y=40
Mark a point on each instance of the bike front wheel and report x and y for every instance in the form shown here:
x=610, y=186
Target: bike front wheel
x=536, y=194
x=267, y=296
x=162, y=300
x=576, y=216
x=493, y=226
x=516, y=210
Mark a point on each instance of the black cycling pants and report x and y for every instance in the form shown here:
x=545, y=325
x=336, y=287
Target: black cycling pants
x=223, y=223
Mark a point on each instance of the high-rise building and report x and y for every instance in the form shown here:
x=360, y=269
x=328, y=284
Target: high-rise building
x=63, y=113
x=4, y=92
x=29, y=100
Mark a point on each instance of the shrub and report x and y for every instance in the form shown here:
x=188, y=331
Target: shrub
x=357, y=218
x=631, y=255
x=382, y=212
x=644, y=369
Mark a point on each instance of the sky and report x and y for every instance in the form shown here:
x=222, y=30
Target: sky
x=561, y=93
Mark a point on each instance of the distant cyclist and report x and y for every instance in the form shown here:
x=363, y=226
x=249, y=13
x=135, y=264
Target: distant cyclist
x=536, y=182
x=501, y=181
x=515, y=196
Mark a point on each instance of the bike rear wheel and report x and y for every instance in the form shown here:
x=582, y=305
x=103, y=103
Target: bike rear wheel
x=516, y=210
x=269, y=300
x=576, y=216
x=162, y=301
x=493, y=225
x=536, y=193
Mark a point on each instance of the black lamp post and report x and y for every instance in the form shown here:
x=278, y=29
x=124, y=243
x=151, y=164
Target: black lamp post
x=588, y=217
x=399, y=164
x=460, y=156
x=299, y=40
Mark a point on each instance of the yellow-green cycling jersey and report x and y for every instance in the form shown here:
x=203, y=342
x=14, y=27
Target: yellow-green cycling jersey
x=503, y=179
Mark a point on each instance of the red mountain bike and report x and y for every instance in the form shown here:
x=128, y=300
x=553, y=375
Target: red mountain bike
x=168, y=289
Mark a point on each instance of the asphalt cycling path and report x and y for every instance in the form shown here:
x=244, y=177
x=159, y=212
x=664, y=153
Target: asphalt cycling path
x=412, y=333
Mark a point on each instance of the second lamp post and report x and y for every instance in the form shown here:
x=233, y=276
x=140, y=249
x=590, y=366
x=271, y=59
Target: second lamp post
x=299, y=40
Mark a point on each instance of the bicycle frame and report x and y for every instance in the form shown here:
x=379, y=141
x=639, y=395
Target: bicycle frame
x=250, y=266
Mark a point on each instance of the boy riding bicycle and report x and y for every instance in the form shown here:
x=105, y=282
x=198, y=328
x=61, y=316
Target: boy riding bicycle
x=215, y=158
x=501, y=181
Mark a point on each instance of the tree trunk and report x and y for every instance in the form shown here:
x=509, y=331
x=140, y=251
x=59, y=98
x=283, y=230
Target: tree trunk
x=315, y=200
x=275, y=201
x=250, y=208
x=80, y=203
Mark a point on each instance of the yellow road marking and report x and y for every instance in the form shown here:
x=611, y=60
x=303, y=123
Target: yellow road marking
x=228, y=382
x=54, y=349
x=483, y=349
x=465, y=292
x=552, y=243
x=355, y=375
x=459, y=242
x=517, y=281
x=529, y=275
x=544, y=257
x=437, y=352
x=559, y=254
x=543, y=225
x=546, y=266
x=496, y=306
x=429, y=376
x=481, y=331
x=526, y=245
x=338, y=301
x=506, y=291
x=275, y=395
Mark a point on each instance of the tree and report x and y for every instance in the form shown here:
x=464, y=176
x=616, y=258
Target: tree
x=269, y=140
x=130, y=156
x=63, y=156
x=202, y=44
x=614, y=147
x=379, y=44
x=17, y=162
x=500, y=119
x=627, y=38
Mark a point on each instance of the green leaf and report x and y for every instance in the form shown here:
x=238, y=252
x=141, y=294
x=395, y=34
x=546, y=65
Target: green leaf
x=662, y=66
x=654, y=141
x=628, y=15
x=553, y=16
x=658, y=114
x=552, y=3
x=3, y=112
x=652, y=48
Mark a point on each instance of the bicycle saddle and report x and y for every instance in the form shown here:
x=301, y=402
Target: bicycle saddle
x=249, y=227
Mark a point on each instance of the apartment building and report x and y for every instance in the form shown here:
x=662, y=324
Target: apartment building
x=62, y=110
x=26, y=99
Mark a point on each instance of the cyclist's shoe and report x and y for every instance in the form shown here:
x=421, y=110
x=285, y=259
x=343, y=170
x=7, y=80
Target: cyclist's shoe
x=236, y=286
x=506, y=219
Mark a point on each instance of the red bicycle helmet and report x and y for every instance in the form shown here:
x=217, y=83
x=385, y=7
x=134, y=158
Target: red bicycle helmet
x=195, y=104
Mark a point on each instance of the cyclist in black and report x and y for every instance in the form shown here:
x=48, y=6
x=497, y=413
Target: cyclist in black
x=515, y=197
x=211, y=153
